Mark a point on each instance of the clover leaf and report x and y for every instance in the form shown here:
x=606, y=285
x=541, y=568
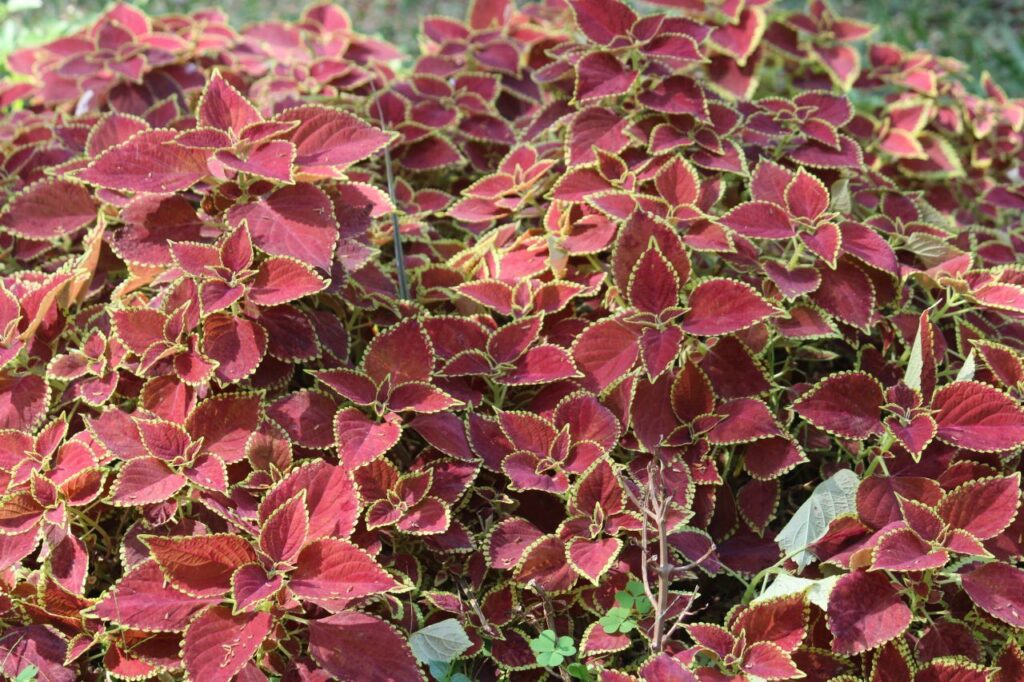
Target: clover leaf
x=550, y=650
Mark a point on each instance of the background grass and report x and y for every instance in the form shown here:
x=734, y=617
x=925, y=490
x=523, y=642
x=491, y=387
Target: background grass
x=985, y=34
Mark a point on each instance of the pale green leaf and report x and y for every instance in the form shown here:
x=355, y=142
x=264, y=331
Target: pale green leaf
x=915, y=365
x=966, y=372
x=831, y=499
x=785, y=585
x=439, y=642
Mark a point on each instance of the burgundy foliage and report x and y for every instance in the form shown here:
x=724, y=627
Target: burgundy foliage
x=744, y=246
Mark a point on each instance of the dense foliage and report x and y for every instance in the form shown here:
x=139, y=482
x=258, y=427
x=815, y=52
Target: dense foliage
x=709, y=368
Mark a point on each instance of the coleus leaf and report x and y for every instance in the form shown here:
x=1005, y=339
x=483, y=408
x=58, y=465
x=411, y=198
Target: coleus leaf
x=360, y=439
x=296, y=221
x=332, y=573
x=603, y=22
x=221, y=106
x=976, y=416
x=329, y=494
x=218, y=644
x=724, y=306
x=357, y=646
x=984, y=508
x=901, y=549
x=328, y=140
x=285, y=530
x=600, y=74
x=144, y=599
x=146, y=480
x=847, y=404
x=202, y=565
x=996, y=588
x=864, y=611
x=282, y=280
x=48, y=209
x=592, y=558
x=150, y=161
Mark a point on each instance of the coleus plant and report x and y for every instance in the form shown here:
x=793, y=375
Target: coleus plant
x=710, y=367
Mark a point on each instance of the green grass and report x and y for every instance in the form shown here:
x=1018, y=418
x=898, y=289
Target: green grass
x=985, y=34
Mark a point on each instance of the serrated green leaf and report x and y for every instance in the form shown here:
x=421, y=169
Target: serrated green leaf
x=440, y=642
x=832, y=498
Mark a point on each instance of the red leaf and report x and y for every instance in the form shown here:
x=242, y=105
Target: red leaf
x=151, y=161
x=545, y=563
x=23, y=400
x=47, y=209
x=772, y=457
x=847, y=293
x=606, y=351
x=224, y=108
x=903, y=550
x=997, y=588
x=769, y=661
x=676, y=95
x=420, y=397
x=743, y=420
x=328, y=140
x=653, y=284
x=251, y=585
x=281, y=280
x=330, y=498
x=143, y=599
x=724, y=306
x=360, y=439
x=357, y=646
x=271, y=160
x=402, y=352
x=806, y=196
x=306, y=417
x=217, y=644
x=236, y=344
x=603, y=20
x=864, y=611
x=145, y=480
x=984, y=508
x=24, y=647
x=151, y=224
x=591, y=558
x=848, y=404
x=225, y=422
x=201, y=565
x=542, y=364
x=600, y=74
x=332, y=573
x=284, y=532
x=509, y=540
x=759, y=220
x=976, y=416
x=296, y=220
x=781, y=622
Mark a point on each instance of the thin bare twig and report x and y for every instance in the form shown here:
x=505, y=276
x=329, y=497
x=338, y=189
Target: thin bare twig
x=396, y=232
